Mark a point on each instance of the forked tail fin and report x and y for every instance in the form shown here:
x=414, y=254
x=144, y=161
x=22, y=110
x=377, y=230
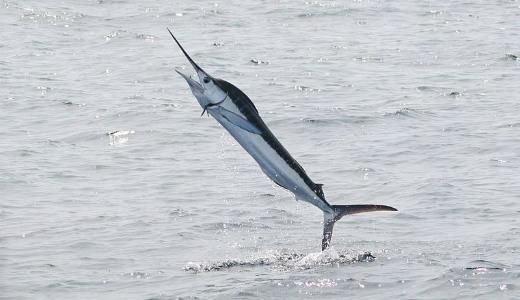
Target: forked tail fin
x=342, y=210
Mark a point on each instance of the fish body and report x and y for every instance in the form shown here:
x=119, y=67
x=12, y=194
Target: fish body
x=233, y=109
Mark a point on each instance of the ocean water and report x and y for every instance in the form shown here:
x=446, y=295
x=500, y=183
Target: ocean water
x=113, y=186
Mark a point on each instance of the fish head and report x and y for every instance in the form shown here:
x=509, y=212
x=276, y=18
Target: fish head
x=206, y=91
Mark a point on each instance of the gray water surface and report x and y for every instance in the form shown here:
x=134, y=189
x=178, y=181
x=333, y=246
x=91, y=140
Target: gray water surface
x=412, y=104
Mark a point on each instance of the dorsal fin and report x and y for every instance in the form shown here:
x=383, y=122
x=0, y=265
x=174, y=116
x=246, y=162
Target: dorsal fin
x=318, y=189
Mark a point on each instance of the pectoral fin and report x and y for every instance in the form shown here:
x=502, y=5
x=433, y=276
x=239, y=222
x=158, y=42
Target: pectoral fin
x=239, y=121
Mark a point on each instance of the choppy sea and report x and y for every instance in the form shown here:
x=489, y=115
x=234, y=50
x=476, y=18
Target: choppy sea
x=113, y=187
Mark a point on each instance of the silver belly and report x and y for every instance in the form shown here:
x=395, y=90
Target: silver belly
x=272, y=164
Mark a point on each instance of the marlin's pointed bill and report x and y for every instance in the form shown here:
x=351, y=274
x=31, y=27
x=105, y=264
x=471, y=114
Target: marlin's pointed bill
x=200, y=72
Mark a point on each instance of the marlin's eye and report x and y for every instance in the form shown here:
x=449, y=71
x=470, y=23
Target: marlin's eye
x=206, y=79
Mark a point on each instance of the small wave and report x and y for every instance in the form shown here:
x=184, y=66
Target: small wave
x=330, y=142
x=267, y=195
x=337, y=12
x=425, y=88
x=283, y=260
x=248, y=225
x=143, y=36
x=114, y=34
x=485, y=266
x=440, y=90
x=369, y=59
x=303, y=88
x=455, y=94
x=510, y=56
x=84, y=245
x=179, y=212
x=259, y=61
x=433, y=13
x=478, y=273
x=138, y=275
x=119, y=137
x=341, y=120
x=319, y=121
x=70, y=103
x=279, y=212
x=508, y=125
x=42, y=16
x=278, y=216
x=174, y=14
x=406, y=112
x=498, y=160
x=405, y=216
x=218, y=44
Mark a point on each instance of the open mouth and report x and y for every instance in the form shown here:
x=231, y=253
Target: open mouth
x=194, y=85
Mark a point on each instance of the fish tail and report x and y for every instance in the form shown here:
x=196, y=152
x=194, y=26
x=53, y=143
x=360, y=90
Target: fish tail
x=330, y=218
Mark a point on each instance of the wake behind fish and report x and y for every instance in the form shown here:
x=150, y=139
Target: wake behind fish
x=284, y=260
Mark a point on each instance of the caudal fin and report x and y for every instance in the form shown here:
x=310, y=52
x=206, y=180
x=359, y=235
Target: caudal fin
x=329, y=219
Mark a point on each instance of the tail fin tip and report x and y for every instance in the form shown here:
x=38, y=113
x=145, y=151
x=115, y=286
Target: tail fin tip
x=343, y=210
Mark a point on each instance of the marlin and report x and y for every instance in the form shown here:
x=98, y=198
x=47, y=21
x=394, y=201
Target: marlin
x=238, y=115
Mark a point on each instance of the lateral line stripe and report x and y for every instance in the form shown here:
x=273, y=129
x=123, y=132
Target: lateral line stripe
x=244, y=105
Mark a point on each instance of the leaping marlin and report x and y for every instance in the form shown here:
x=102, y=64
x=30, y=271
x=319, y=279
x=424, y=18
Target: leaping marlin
x=237, y=113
